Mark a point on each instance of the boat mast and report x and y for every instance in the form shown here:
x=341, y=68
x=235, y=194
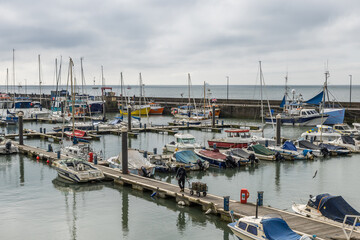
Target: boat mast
x=39, y=78
x=261, y=96
x=14, y=76
x=7, y=80
x=122, y=93
x=82, y=75
x=140, y=95
x=189, y=103
x=102, y=90
x=71, y=65
x=204, y=99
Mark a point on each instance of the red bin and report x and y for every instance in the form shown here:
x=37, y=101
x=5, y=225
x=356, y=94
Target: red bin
x=244, y=195
x=91, y=156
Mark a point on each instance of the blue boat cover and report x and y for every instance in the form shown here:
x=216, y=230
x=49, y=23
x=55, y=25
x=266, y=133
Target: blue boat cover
x=288, y=145
x=331, y=147
x=282, y=104
x=186, y=157
x=277, y=229
x=335, y=208
x=316, y=100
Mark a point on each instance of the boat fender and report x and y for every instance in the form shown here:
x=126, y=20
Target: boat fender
x=181, y=203
x=279, y=157
x=208, y=211
x=153, y=194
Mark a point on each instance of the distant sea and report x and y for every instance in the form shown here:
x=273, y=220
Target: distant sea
x=340, y=93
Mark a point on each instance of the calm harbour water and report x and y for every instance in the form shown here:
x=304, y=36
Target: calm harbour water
x=34, y=204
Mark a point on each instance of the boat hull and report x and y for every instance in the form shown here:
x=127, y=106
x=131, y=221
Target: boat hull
x=227, y=145
x=156, y=111
x=301, y=121
x=142, y=111
x=336, y=116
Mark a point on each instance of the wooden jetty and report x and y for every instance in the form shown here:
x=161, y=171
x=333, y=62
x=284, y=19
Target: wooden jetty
x=215, y=205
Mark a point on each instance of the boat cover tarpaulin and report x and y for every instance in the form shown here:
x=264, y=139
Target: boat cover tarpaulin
x=277, y=229
x=186, y=157
x=316, y=100
x=136, y=160
x=240, y=153
x=288, y=145
x=332, y=147
x=308, y=145
x=260, y=149
x=348, y=140
x=335, y=208
x=215, y=154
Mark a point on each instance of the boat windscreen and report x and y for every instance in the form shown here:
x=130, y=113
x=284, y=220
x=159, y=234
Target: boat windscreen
x=278, y=229
x=348, y=140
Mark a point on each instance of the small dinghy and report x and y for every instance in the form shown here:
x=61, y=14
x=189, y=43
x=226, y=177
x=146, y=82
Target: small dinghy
x=264, y=153
x=347, y=142
x=245, y=157
x=266, y=228
x=77, y=170
x=190, y=161
x=290, y=152
x=7, y=147
x=327, y=208
x=335, y=150
x=79, y=134
x=216, y=158
x=137, y=163
x=316, y=150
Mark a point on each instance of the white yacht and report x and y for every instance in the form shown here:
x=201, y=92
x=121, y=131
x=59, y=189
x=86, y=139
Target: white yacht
x=183, y=141
x=345, y=129
x=322, y=133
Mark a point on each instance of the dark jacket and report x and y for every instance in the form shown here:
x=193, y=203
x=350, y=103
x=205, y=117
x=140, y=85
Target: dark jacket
x=181, y=173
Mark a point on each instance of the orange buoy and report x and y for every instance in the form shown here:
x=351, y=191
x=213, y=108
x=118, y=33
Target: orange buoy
x=37, y=158
x=47, y=161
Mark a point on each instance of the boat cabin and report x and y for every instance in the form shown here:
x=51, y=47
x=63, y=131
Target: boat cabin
x=345, y=129
x=238, y=133
x=185, y=138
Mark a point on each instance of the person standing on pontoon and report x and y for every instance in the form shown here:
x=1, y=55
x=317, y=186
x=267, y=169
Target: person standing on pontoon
x=181, y=176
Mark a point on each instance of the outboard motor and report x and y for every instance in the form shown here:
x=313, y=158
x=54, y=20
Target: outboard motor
x=201, y=165
x=145, y=172
x=324, y=151
x=279, y=157
x=8, y=146
x=252, y=158
x=230, y=162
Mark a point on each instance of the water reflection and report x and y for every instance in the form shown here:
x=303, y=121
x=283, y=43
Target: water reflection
x=277, y=176
x=22, y=171
x=125, y=213
x=70, y=191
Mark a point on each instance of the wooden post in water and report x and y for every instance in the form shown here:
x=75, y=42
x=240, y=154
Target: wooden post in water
x=213, y=115
x=129, y=118
x=278, y=130
x=124, y=159
x=21, y=129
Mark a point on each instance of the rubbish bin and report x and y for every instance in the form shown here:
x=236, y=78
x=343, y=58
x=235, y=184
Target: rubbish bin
x=260, y=198
x=226, y=203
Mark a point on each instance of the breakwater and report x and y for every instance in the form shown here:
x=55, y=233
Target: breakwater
x=230, y=108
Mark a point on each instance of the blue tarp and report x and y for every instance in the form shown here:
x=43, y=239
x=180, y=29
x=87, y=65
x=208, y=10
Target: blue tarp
x=316, y=100
x=277, y=229
x=288, y=145
x=186, y=157
x=282, y=104
x=335, y=208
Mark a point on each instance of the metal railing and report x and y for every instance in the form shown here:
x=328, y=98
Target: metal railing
x=352, y=227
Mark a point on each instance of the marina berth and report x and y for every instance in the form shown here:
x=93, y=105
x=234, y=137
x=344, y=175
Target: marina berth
x=264, y=227
x=183, y=141
x=236, y=138
x=137, y=163
x=77, y=170
x=329, y=208
x=190, y=161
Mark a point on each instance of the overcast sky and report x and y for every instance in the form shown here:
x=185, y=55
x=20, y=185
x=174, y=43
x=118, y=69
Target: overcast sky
x=166, y=39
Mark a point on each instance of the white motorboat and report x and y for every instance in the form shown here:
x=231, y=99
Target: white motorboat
x=7, y=147
x=82, y=151
x=183, y=141
x=322, y=133
x=328, y=208
x=271, y=227
x=345, y=129
x=114, y=124
x=59, y=117
x=137, y=163
x=236, y=138
x=347, y=142
x=77, y=170
x=289, y=151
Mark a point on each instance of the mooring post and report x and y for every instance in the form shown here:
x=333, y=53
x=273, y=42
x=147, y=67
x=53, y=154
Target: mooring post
x=41, y=130
x=213, y=115
x=21, y=129
x=129, y=118
x=278, y=130
x=124, y=139
x=58, y=154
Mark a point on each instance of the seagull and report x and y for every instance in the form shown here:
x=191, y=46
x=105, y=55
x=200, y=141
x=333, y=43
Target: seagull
x=315, y=174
